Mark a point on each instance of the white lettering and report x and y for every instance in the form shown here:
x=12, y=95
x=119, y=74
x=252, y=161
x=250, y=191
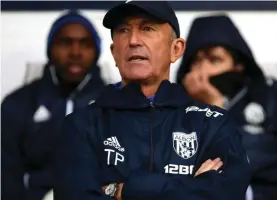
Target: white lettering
x=191, y=108
x=217, y=114
x=203, y=110
x=209, y=113
x=109, y=153
x=118, y=157
x=183, y=169
x=112, y=144
x=179, y=169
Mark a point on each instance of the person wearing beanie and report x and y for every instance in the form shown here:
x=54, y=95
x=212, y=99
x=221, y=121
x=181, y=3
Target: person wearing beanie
x=32, y=116
x=219, y=68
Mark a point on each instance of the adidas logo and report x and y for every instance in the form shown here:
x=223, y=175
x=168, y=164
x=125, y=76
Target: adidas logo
x=112, y=141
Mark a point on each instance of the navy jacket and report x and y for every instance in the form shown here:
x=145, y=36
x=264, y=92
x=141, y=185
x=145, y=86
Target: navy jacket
x=153, y=147
x=253, y=107
x=31, y=121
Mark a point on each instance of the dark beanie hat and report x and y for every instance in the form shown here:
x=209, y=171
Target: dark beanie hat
x=73, y=16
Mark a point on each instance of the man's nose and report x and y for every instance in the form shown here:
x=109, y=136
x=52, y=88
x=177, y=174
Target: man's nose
x=135, y=39
x=75, y=49
x=204, y=65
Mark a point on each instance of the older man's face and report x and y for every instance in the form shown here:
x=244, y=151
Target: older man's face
x=142, y=49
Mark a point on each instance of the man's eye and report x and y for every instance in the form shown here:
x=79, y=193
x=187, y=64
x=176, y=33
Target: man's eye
x=86, y=43
x=64, y=42
x=123, y=30
x=215, y=60
x=196, y=61
x=148, y=28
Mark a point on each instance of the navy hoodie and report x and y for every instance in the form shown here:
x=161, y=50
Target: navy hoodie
x=254, y=107
x=32, y=117
x=217, y=30
x=153, y=146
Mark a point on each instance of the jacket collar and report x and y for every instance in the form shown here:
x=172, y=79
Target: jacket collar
x=131, y=97
x=92, y=81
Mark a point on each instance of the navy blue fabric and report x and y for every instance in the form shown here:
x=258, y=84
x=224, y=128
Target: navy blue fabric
x=145, y=131
x=261, y=147
x=73, y=17
x=217, y=30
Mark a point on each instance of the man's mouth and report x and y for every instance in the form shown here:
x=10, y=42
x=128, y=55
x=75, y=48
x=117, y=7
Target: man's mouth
x=137, y=58
x=75, y=69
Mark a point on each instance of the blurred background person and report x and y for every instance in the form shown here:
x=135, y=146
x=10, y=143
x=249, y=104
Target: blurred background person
x=218, y=68
x=32, y=115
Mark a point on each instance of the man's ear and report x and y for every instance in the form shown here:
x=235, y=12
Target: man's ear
x=113, y=53
x=178, y=46
x=112, y=49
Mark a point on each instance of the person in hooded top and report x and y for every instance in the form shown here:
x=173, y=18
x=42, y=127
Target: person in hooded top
x=33, y=114
x=145, y=138
x=218, y=68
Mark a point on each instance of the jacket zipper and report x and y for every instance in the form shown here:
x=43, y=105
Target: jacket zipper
x=151, y=137
x=69, y=106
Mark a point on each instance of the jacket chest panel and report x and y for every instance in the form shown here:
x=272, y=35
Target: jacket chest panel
x=134, y=142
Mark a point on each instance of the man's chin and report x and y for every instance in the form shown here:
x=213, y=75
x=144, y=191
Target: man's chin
x=74, y=78
x=141, y=79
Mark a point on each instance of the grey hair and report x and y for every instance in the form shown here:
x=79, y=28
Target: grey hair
x=173, y=35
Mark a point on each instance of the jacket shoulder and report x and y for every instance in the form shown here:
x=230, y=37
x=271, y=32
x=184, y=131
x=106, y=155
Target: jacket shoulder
x=20, y=98
x=83, y=122
x=84, y=117
x=210, y=118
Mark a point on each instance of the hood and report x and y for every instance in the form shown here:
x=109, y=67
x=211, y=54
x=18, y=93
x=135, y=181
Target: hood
x=217, y=30
x=73, y=16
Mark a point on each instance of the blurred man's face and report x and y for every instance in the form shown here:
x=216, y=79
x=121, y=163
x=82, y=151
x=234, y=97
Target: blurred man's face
x=214, y=61
x=143, y=49
x=73, y=52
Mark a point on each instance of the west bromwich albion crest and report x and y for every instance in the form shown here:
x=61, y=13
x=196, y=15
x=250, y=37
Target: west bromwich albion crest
x=185, y=145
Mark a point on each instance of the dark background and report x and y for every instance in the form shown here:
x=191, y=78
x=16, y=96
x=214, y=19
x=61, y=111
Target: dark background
x=177, y=5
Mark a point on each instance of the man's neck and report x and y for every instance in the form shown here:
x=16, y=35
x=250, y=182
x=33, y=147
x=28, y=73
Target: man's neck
x=149, y=89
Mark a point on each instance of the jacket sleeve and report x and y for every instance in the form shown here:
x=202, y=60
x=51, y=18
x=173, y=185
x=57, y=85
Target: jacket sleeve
x=12, y=171
x=229, y=185
x=77, y=172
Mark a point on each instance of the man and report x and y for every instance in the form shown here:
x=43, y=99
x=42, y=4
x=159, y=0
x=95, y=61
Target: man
x=144, y=138
x=32, y=116
x=218, y=68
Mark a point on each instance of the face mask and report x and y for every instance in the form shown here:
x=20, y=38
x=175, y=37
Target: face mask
x=228, y=83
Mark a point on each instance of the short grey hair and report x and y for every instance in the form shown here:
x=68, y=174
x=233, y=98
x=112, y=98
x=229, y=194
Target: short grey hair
x=173, y=35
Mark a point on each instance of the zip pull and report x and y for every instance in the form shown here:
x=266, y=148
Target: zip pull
x=152, y=104
x=69, y=107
